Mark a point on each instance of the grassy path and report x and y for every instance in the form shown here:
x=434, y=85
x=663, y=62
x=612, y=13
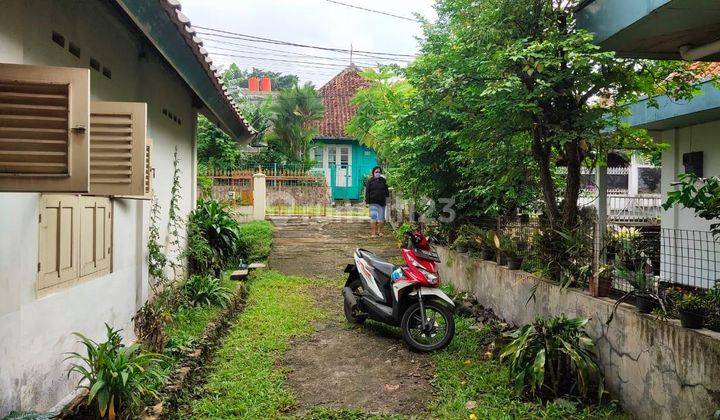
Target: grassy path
x=245, y=380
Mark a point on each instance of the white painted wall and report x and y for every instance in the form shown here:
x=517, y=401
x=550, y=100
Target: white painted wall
x=684, y=251
x=36, y=332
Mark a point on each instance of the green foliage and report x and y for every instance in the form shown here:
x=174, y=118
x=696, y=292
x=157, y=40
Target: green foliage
x=692, y=302
x=701, y=195
x=118, y=377
x=467, y=371
x=256, y=237
x=503, y=93
x=187, y=323
x=175, y=222
x=554, y=357
x=244, y=379
x=292, y=113
x=215, y=149
x=157, y=260
x=205, y=291
x=214, y=240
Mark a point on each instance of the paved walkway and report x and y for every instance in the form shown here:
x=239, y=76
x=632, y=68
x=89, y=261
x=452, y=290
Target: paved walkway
x=366, y=368
x=323, y=247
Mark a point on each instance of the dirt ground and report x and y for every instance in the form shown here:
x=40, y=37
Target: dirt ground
x=342, y=366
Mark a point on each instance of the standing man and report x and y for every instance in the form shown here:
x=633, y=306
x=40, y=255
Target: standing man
x=376, y=194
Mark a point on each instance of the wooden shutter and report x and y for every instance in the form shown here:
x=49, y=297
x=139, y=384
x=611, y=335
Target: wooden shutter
x=117, y=148
x=59, y=239
x=95, y=234
x=44, y=119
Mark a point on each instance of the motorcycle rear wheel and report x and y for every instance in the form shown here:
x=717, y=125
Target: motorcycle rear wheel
x=350, y=313
x=441, y=331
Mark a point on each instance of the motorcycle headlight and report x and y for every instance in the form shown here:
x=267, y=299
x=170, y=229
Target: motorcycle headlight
x=432, y=278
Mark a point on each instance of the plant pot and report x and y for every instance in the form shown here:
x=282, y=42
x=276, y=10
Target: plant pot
x=691, y=319
x=503, y=259
x=514, y=263
x=645, y=304
x=602, y=287
x=488, y=254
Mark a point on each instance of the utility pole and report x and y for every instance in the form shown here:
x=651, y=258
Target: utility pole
x=351, y=53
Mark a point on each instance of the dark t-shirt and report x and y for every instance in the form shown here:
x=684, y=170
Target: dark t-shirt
x=376, y=191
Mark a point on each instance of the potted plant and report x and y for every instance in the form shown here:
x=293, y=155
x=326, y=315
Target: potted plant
x=512, y=250
x=485, y=242
x=692, y=310
x=602, y=284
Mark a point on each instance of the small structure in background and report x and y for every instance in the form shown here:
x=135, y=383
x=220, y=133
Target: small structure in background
x=344, y=162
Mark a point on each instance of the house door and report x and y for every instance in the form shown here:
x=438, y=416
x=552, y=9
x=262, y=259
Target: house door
x=341, y=158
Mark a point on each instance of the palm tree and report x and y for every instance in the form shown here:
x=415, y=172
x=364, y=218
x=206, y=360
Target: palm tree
x=292, y=113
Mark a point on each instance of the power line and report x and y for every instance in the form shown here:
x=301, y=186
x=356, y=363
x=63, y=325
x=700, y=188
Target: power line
x=374, y=11
x=364, y=58
x=211, y=48
x=252, y=38
x=307, y=63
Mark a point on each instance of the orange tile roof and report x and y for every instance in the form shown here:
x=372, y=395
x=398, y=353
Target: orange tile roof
x=336, y=95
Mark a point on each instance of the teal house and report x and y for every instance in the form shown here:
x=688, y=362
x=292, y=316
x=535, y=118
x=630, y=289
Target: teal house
x=345, y=162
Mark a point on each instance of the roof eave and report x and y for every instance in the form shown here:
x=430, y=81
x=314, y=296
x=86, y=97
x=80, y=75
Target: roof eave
x=171, y=34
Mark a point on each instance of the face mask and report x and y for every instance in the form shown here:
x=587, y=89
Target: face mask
x=377, y=174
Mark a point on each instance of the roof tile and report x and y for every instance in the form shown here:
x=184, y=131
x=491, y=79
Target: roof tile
x=336, y=95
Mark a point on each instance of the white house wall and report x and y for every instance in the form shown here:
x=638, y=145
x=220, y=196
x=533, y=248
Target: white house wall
x=36, y=332
x=676, y=256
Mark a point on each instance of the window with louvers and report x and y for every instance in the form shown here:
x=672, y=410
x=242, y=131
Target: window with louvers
x=44, y=118
x=117, y=148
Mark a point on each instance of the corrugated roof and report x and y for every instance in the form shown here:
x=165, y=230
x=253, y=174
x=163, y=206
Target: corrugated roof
x=336, y=95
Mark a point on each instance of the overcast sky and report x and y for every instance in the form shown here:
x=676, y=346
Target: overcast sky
x=315, y=22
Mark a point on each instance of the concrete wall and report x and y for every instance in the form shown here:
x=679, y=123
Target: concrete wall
x=36, y=331
x=656, y=369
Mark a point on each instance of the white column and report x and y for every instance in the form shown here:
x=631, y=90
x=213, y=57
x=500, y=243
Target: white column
x=633, y=176
x=259, y=196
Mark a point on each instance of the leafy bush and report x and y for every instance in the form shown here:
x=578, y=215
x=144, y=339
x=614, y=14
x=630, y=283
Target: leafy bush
x=118, y=378
x=554, y=357
x=694, y=303
x=256, y=238
x=211, y=225
x=205, y=291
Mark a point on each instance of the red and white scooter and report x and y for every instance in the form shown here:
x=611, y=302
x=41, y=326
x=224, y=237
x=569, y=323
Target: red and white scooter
x=407, y=296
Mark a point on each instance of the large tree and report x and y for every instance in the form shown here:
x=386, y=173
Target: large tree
x=539, y=77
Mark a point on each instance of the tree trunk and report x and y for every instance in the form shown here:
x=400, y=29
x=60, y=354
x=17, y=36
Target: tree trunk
x=541, y=154
x=572, y=185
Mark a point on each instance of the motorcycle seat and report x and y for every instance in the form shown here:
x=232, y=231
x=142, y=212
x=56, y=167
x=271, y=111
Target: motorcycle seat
x=378, y=263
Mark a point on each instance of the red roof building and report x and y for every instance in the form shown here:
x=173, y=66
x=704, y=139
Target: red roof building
x=336, y=95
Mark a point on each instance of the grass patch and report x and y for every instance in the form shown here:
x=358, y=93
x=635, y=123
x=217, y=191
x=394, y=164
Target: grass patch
x=462, y=374
x=243, y=380
x=257, y=237
x=188, y=322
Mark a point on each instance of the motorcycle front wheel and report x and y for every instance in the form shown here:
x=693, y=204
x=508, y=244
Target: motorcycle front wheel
x=439, y=326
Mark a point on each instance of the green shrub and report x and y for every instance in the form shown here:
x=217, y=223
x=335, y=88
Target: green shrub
x=256, y=238
x=118, y=378
x=211, y=225
x=554, y=357
x=205, y=291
